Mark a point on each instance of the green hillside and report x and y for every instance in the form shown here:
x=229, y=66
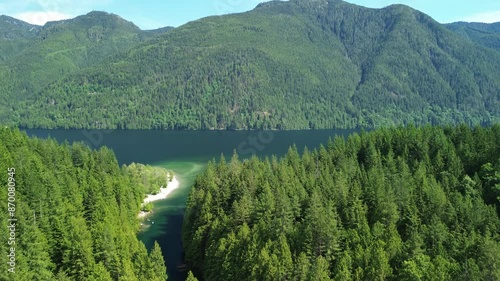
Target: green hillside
x=67, y=46
x=484, y=34
x=284, y=65
x=32, y=56
x=393, y=204
x=74, y=214
x=15, y=36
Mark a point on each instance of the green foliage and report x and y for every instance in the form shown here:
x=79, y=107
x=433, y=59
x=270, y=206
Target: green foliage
x=283, y=65
x=147, y=207
x=76, y=214
x=484, y=34
x=35, y=56
x=393, y=204
x=157, y=264
x=147, y=178
x=15, y=37
x=191, y=277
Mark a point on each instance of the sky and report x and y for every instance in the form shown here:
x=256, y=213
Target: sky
x=151, y=14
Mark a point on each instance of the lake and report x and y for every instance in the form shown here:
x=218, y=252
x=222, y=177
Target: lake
x=186, y=153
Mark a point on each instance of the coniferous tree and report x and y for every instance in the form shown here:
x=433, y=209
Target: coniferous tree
x=191, y=277
x=381, y=206
x=157, y=263
x=62, y=235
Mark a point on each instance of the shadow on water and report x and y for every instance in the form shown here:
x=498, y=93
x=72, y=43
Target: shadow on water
x=168, y=216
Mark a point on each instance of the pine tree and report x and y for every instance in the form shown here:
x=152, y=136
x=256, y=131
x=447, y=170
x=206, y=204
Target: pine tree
x=319, y=270
x=383, y=206
x=191, y=277
x=301, y=267
x=157, y=264
x=78, y=261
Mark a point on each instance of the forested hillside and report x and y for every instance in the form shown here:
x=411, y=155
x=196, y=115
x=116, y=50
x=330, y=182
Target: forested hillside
x=393, y=204
x=75, y=214
x=15, y=36
x=284, y=65
x=66, y=46
x=484, y=34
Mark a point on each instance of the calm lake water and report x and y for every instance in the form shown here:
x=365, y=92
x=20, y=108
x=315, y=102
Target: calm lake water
x=186, y=153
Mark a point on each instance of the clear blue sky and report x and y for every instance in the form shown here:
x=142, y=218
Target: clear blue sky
x=149, y=14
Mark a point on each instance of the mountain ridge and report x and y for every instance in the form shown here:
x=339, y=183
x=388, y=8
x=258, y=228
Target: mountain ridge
x=70, y=45
x=283, y=65
x=484, y=34
x=15, y=35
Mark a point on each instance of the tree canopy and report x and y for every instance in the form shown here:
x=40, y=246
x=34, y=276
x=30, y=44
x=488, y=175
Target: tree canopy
x=76, y=212
x=392, y=204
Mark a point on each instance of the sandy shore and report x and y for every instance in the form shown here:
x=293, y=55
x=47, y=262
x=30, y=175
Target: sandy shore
x=164, y=192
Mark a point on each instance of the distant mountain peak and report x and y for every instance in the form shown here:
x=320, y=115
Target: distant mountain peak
x=12, y=28
x=96, y=18
x=311, y=1
x=100, y=13
x=485, y=34
x=105, y=18
x=14, y=21
x=103, y=14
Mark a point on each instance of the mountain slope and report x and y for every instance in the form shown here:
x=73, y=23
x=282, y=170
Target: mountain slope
x=15, y=35
x=65, y=46
x=484, y=34
x=283, y=65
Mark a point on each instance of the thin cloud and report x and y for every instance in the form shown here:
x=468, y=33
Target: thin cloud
x=40, y=11
x=41, y=17
x=146, y=23
x=487, y=17
x=74, y=6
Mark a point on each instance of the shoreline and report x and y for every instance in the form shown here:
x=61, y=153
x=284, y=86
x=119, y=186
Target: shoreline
x=164, y=192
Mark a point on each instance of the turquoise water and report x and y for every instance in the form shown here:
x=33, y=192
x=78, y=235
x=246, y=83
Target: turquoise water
x=186, y=153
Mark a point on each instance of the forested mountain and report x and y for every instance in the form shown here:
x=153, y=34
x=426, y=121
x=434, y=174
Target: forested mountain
x=484, y=34
x=14, y=29
x=392, y=204
x=63, y=47
x=74, y=214
x=284, y=65
x=34, y=56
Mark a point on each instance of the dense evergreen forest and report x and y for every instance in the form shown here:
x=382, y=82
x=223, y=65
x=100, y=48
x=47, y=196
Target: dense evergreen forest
x=76, y=213
x=295, y=64
x=392, y=204
x=32, y=57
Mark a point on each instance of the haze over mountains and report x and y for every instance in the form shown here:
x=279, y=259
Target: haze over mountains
x=284, y=65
